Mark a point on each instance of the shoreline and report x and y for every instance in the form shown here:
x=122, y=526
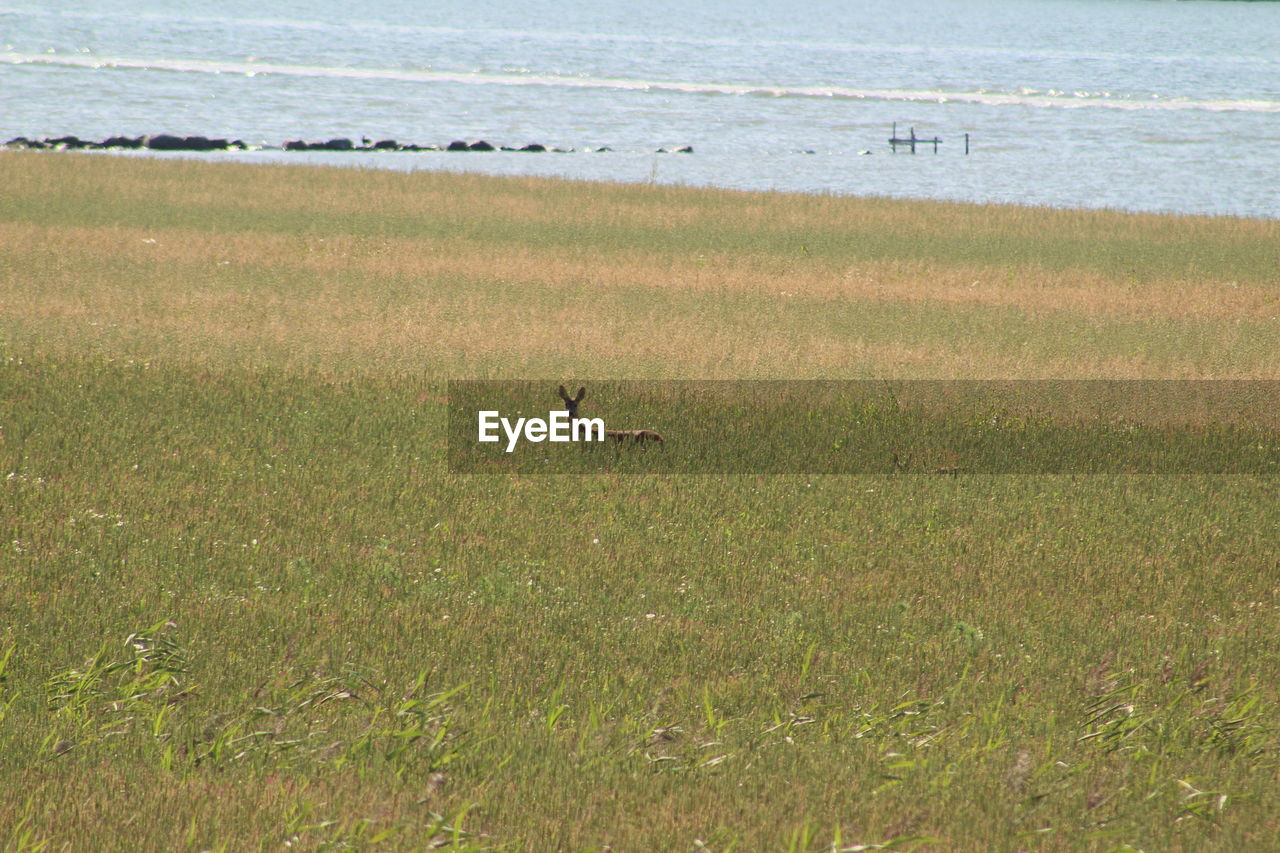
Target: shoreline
x=638, y=168
x=205, y=144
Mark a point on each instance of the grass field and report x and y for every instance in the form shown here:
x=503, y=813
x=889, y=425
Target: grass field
x=245, y=603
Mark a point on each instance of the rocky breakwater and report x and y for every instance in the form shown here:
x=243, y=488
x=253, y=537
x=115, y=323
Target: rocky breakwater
x=167, y=142
x=159, y=142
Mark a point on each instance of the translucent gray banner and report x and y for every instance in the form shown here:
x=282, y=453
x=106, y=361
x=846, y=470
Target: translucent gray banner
x=911, y=427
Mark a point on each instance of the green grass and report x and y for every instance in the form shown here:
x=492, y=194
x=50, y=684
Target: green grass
x=247, y=603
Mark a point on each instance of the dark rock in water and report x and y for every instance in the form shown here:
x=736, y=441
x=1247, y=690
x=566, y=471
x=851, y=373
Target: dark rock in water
x=18, y=142
x=386, y=145
x=562, y=150
x=534, y=147
x=331, y=145
x=123, y=142
x=603, y=149
x=459, y=145
x=687, y=149
x=237, y=145
x=164, y=142
x=67, y=142
x=204, y=143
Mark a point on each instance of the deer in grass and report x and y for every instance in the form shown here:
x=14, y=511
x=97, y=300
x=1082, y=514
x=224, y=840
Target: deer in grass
x=635, y=436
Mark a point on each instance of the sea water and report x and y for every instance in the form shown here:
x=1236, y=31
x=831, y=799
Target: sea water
x=1131, y=104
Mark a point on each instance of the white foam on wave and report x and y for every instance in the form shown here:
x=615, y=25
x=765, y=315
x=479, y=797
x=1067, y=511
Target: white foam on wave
x=1021, y=98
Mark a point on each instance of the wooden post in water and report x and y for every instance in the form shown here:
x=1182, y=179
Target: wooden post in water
x=966, y=145
x=911, y=140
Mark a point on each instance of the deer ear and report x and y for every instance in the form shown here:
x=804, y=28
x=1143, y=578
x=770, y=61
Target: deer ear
x=564, y=395
x=582, y=392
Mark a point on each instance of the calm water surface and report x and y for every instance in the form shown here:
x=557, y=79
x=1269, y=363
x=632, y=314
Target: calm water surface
x=1133, y=104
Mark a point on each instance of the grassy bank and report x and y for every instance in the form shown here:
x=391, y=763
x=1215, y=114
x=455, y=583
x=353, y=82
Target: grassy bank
x=247, y=604
x=341, y=272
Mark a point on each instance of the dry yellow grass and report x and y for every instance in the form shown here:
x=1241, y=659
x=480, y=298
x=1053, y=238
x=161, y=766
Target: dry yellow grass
x=1033, y=290
x=446, y=274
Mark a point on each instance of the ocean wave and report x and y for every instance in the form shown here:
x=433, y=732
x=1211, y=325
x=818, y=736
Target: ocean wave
x=1023, y=97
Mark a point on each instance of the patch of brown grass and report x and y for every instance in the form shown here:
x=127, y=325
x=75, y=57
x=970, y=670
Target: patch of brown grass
x=1034, y=290
x=455, y=300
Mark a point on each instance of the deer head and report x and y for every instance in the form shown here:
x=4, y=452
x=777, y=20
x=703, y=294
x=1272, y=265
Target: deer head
x=571, y=403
